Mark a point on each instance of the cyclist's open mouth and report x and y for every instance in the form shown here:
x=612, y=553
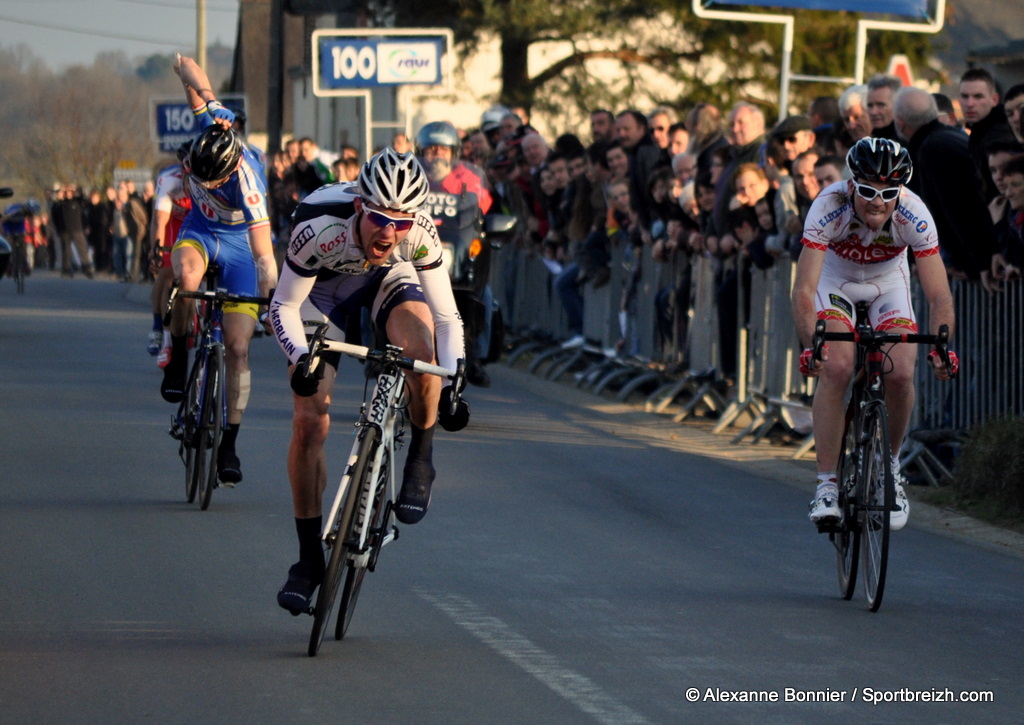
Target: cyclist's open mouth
x=382, y=249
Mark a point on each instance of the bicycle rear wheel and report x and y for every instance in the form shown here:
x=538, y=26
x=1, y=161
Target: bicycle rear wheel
x=210, y=425
x=876, y=502
x=846, y=539
x=191, y=415
x=339, y=541
x=378, y=524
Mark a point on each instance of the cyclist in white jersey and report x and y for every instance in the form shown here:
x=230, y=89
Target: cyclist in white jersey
x=855, y=238
x=356, y=246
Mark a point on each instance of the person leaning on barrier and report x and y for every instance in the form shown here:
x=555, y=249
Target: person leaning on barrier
x=1006, y=265
x=356, y=246
x=947, y=180
x=855, y=250
x=1013, y=245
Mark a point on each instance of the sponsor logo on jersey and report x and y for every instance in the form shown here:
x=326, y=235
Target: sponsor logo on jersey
x=254, y=198
x=420, y=252
x=331, y=238
x=842, y=303
x=299, y=238
x=901, y=323
x=831, y=315
x=921, y=226
x=832, y=216
x=905, y=216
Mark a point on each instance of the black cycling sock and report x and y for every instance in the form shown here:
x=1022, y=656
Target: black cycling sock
x=158, y=322
x=421, y=447
x=179, y=351
x=310, y=548
x=228, y=437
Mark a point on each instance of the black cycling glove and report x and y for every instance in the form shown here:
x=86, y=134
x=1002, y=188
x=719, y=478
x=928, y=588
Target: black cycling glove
x=306, y=386
x=448, y=420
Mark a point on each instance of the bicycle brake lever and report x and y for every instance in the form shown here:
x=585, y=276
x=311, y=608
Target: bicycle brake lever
x=818, y=341
x=458, y=384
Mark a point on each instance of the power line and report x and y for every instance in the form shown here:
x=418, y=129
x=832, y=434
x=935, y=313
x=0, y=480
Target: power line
x=112, y=35
x=93, y=33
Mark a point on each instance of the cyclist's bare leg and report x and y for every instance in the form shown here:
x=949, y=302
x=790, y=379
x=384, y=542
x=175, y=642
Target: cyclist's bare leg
x=411, y=326
x=307, y=462
x=238, y=329
x=829, y=398
x=161, y=289
x=900, y=393
x=189, y=266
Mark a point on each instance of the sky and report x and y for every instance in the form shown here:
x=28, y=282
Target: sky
x=70, y=32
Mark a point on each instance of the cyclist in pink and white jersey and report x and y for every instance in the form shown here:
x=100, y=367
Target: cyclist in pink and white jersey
x=171, y=204
x=856, y=236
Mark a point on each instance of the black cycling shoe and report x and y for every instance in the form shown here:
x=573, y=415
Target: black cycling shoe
x=296, y=595
x=414, y=497
x=172, y=389
x=476, y=375
x=229, y=468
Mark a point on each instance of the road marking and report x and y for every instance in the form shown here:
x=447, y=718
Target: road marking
x=574, y=687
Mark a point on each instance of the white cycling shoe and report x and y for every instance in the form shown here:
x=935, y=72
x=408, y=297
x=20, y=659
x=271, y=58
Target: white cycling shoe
x=824, y=507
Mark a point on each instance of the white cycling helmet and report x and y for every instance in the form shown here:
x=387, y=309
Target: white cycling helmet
x=394, y=181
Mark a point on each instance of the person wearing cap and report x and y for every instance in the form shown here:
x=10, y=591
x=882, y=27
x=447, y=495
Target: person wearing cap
x=796, y=134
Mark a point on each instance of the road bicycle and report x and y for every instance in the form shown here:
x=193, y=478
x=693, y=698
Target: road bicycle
x=359, y=523
x=866, y=484
x=202, y=414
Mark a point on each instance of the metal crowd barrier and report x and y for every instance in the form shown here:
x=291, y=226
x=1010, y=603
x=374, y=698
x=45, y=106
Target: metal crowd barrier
x=623, y=349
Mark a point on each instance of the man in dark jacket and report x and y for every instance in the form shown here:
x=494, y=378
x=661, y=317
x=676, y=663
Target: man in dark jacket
x=986, y=120
x=946, y=178
x=69, y=221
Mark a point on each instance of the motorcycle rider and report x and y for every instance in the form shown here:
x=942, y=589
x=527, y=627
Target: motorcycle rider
x=438, y=146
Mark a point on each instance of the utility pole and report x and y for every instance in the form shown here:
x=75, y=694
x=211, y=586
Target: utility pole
x=201, y=33
x=275, y=82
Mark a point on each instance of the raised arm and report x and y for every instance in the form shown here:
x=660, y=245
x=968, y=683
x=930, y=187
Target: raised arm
x=198, y=91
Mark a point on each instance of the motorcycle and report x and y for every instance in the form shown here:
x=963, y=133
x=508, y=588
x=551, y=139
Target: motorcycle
x=5, y=247
x=468, y=239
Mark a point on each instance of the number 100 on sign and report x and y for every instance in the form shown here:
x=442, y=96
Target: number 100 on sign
x=361, y=64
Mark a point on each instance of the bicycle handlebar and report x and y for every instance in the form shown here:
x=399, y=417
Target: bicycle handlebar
x=319, y=344
x=222, y=296
x=871, y=338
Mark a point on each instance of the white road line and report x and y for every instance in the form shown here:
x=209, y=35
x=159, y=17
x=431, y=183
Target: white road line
x=574, y=687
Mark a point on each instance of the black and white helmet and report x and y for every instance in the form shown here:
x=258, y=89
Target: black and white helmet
x=394, y=181
x=879, y=159
x=214, y=153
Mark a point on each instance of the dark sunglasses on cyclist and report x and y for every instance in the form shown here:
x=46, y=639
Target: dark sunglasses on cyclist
x=868, y=193
x=380, y=219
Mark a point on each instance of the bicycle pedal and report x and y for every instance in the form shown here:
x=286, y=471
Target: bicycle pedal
x=829, y=526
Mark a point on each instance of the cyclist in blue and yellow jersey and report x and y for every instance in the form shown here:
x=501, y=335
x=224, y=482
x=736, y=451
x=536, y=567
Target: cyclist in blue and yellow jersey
x=228, y=225
x=364, y=246
x=856, y=236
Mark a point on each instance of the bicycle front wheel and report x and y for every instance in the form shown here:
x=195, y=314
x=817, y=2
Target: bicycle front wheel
x=340, y=539
x=211, y=425
x=378, y=523
x=191, y=417
x=846, y=539
x=876, y=496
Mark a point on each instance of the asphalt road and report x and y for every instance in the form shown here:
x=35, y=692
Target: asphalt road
x=581, y=562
